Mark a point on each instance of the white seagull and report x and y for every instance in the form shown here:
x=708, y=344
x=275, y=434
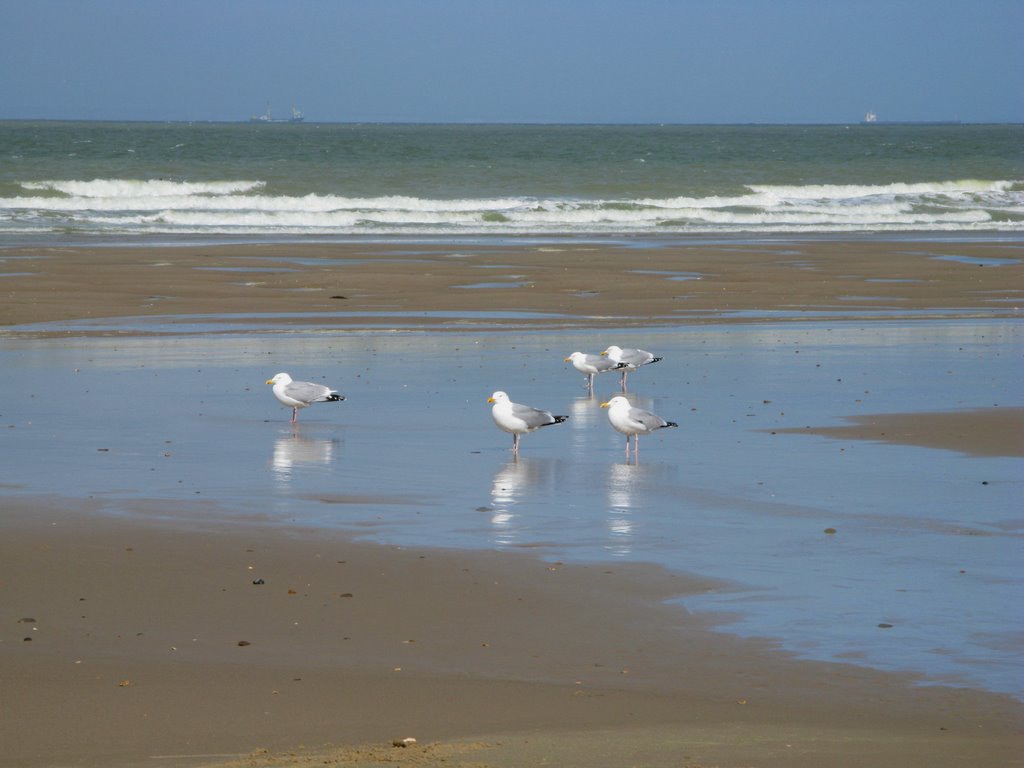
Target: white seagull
x=633, y=421
x=629, y=359
x=591, y=365
x=519, y=419
x=299, y=394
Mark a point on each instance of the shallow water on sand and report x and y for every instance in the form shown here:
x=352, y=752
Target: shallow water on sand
x=921, y=573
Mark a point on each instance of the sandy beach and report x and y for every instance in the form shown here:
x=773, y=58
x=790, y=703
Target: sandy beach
x=570, y=282
x=132, y=640
x=143, y=645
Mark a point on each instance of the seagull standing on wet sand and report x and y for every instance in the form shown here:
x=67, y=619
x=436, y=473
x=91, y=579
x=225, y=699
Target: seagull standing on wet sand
x=519, y=419
x=591, y=365
x=629, y=359
x=300, y=394
x=629, y=421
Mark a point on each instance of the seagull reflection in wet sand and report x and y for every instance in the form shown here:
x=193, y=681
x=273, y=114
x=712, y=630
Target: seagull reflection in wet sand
x=295, y=450
x=509, y=482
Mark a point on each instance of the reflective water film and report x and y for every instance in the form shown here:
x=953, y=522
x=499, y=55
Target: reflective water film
x=891, y=556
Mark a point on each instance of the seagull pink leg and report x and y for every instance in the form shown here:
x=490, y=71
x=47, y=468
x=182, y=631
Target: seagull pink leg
x=295, y=415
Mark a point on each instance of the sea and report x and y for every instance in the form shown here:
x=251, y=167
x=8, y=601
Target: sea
x=241, y=180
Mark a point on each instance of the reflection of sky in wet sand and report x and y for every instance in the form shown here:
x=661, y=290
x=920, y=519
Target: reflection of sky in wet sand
x=928, y=541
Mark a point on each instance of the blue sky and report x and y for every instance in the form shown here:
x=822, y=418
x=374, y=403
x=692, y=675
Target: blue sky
x=672, y=61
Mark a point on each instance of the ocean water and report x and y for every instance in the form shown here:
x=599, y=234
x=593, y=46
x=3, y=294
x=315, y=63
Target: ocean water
x=193, y=181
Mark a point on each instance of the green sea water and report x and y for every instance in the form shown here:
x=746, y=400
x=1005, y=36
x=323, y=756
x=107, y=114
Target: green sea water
x=295, y=180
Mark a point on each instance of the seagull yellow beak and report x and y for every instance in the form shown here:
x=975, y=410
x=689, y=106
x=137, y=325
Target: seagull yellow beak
x=270, y=381
x=605, y=353
x=491, y=400
x=605, y=405
x=568, y=359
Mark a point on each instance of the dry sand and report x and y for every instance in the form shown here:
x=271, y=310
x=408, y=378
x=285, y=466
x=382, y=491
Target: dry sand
x=126, y=643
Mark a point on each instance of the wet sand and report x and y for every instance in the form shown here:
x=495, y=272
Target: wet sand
x=601, y=284
x=985, y=432
x=124, y=642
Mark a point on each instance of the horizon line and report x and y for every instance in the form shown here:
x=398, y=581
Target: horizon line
x=187, y=121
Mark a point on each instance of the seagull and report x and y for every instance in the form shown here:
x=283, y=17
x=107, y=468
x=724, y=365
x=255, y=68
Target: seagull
x=628, y=420
x=519, y=419
x=299, y=394
x=629, y=359
x=591, y=365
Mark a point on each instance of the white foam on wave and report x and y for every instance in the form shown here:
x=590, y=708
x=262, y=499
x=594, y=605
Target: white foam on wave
x=315, y=220
x=125, y=206
x=141, y=188
x=854, y=191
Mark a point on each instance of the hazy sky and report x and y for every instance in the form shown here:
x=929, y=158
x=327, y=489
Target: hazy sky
x=679, y=61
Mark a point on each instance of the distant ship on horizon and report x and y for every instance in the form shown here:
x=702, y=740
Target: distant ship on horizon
x=871, y=118
x=267, y=117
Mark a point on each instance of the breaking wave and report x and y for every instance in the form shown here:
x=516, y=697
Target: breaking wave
x=244, y=207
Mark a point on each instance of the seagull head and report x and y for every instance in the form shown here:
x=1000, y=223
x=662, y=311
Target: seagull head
x=279, y=378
